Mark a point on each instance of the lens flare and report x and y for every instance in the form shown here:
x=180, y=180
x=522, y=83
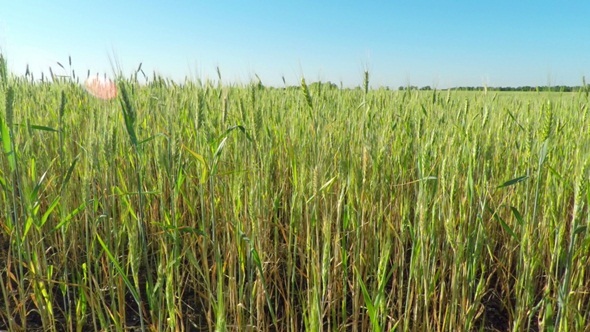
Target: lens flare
x=102, y=88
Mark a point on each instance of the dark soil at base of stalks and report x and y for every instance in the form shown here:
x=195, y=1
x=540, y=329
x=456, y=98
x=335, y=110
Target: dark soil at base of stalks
x=194, y=320
x=64, y=305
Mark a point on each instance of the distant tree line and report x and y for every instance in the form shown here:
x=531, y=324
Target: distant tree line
x=315, y=86
x=527, y=88
x=556, y=88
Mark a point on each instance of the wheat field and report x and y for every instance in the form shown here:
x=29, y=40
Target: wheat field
x=212, y=206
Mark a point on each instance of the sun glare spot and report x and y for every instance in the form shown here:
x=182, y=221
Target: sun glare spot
x=102, y=88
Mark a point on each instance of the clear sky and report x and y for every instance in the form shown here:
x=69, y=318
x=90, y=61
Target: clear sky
x=436, y=43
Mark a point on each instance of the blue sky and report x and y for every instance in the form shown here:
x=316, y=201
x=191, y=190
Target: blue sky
x=436, y=43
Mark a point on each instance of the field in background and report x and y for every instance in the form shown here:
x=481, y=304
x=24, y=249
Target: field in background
x=203, y=206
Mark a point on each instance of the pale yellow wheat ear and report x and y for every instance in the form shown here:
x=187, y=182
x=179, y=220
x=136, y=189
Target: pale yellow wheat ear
x=102, y=88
